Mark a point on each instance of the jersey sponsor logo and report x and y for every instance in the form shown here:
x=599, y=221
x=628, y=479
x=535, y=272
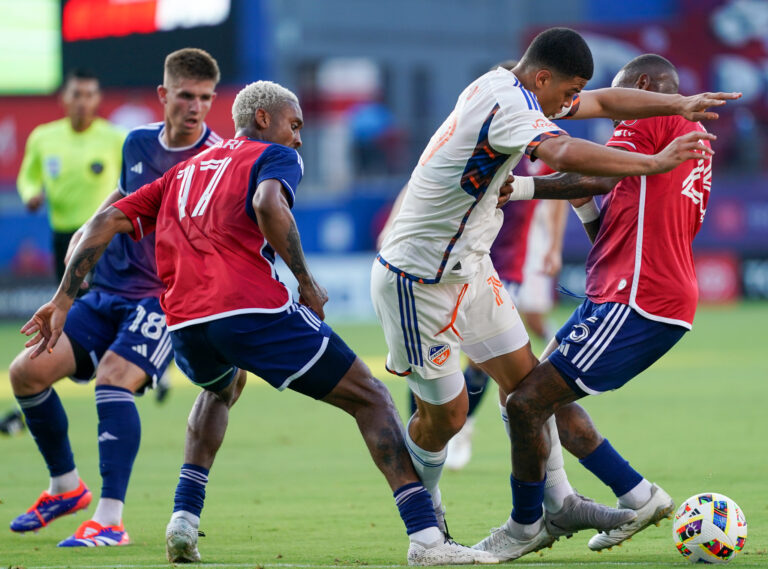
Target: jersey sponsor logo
x=141, y=349
x=543, y=123
x=438, y=355
x=97, y=167
x=578, y=333
x=702, y=171
x=623, y=132
x=137, y=168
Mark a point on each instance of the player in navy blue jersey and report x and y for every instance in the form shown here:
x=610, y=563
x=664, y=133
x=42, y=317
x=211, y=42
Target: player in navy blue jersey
x=117, y=331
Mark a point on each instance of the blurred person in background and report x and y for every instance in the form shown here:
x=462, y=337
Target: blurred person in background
x=116, y=332
x=72, y=164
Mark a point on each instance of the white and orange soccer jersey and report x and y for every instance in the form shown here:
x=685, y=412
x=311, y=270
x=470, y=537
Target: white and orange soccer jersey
x=643, y=255
x=448, y=219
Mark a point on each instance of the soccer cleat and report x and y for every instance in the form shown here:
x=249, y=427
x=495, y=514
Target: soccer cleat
x=93, y=534
x=181, y=542
x=659, y=506
x=448, y=553
x=506, y=547
x=49, y=507
x=459, y=449
x=579, y=512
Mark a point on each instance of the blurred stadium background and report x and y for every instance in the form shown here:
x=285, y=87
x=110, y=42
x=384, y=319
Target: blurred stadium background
x=375, y=79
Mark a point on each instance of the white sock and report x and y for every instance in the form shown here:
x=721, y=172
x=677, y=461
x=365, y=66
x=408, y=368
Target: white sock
x=190, y=517
x=638, y=496
x=428, y=537
x=524, y=531
x=64, y=482
x=109, y=512
x=428, y=465
x=505, y=420
x=556, y=488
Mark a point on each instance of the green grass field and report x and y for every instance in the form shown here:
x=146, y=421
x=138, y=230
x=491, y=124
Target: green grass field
x=293, y=485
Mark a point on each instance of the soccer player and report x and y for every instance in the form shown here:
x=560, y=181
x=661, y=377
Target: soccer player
x=219, y=219
x=641, y=299
x=71, y=163
x=434, y=288
x=117, y=330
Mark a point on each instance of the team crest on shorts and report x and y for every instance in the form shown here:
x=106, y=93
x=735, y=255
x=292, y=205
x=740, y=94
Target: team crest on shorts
x=578, y=333
x=439, y=354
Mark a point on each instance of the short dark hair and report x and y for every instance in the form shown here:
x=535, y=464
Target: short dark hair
x=192, y=63
x=649, y=63
x=562, y=50
x=79, y=73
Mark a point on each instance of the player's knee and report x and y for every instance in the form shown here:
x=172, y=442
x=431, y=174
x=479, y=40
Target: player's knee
x=523, y=408
x=24, y=380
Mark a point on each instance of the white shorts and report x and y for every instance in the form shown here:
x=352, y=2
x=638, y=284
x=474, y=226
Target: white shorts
x=425, y=325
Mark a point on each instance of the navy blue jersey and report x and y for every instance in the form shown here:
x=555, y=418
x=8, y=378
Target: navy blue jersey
x=128, y=267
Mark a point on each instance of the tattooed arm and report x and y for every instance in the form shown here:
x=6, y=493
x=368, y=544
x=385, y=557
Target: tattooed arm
x=48, y=322
x=279, y=228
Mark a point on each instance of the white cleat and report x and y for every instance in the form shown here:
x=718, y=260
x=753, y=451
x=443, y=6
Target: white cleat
x=448, y=553
x=579, y=512
x=659, y=506
x=181, y=542
x=459, y=449
x=506, y=547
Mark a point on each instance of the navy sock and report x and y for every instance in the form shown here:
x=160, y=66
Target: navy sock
x=611, y=468
x=477, y=381
x=47, y=421
x=119, y=438
x=415, y=505
x=190, y=491
x=527, y=500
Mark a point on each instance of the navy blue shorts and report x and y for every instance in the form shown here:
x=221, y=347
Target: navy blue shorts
x=292, y=349
x=132, y=328
x=603, y=346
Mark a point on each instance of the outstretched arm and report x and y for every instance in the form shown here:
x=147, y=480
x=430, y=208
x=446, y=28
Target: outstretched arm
x=48, y=322
x=620, y=104
x=567, y=154
x=279, y=228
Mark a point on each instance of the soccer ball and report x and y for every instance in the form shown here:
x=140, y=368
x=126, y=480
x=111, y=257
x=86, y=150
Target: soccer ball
x=709, y=528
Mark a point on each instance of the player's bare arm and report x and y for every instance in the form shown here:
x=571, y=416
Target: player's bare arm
x=48, y=322
x=622, y=103
x=567, y=154
x=77, y=235
x=279, y=228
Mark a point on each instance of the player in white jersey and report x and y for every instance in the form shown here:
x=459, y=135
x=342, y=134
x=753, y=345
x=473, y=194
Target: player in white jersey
x=434, y=288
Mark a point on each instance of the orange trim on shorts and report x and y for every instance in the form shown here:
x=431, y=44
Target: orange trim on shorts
x=456, y=313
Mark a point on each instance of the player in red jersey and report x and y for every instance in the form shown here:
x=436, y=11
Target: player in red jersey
x=641, y=299
x=219, y=219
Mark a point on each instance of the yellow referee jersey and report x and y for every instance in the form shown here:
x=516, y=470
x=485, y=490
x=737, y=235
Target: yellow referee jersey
x=77, y=170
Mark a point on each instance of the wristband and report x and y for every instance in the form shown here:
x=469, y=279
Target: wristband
x=588, y=212
x=522, y=188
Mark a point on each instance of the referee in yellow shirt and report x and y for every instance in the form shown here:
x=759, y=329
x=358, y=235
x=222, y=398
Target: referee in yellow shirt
x=74, y=162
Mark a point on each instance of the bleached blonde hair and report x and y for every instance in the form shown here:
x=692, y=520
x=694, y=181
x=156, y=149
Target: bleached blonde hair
x=259, y=95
